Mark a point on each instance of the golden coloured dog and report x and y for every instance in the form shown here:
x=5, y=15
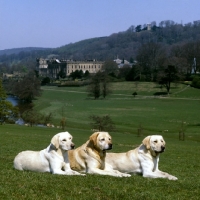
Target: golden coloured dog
x=90, y=157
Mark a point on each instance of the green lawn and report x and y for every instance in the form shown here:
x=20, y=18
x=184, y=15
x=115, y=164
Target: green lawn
x=181, y=159
x=156, y=115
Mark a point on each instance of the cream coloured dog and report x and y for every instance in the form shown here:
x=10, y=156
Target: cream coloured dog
x=90, y=157
x=53, y=159
x=144, y=159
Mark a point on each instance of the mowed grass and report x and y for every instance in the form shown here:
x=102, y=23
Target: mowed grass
x=163, y=116
x=180, y=159
x=154, y=114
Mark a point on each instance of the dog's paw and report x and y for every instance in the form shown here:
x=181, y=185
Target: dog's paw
x=77, y=173
x=172, y=178
x=126, y=175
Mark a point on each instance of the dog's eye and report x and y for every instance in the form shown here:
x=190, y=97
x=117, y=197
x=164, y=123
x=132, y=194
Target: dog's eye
x=102, y=139
x=64, y=140
x=155, y=141
x=70, y=138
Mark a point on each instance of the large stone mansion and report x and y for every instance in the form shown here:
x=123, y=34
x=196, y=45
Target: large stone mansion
x=50, y=68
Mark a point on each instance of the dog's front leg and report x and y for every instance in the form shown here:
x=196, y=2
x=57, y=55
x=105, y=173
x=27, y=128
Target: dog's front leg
x=169, y=176
x=69, y=171
x=105, y=172
x=157, y=174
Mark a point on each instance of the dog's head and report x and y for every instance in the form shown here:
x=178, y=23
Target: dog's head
x=101, y=140
x=63, y=141
x=154, y=143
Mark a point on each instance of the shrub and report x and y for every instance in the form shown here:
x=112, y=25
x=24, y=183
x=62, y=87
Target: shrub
x=196, y=82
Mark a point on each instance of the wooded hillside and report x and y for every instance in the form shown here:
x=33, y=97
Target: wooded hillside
x=126, y=44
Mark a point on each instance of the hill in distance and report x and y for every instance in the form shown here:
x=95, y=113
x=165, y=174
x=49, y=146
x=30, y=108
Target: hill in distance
x=18, y=50
x=123, y=44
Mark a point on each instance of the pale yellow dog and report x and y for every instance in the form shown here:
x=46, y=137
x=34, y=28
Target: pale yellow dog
x=144, y=159
x=90, y=157
x=53, y=159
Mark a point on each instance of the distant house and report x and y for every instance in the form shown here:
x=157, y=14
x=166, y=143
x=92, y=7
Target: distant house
x=123, y=62
x=42, y=66
x=50, y=68
x=14, y=75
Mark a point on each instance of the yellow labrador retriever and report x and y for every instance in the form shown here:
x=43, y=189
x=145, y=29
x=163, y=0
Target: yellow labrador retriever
x=144, y=159
x=53, y=159
x=90, y=157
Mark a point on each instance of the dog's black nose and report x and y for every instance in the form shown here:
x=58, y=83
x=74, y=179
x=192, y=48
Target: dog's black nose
x=72, y=146
x=163, y=148
x=110, y=146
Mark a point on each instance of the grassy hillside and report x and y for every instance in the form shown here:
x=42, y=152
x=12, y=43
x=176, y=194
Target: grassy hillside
x=180, y=159
x=154, y=114
x=162, y=115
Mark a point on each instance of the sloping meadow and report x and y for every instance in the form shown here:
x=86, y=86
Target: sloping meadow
x=180, y=159
x=166, y=116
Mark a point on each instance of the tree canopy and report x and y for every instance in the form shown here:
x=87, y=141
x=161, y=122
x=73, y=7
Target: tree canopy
x=102, y=123
x=167, y=75
x=99, y=85
x=28, y=88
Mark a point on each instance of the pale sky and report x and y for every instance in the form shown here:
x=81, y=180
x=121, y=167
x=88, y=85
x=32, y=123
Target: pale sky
x=54, y=23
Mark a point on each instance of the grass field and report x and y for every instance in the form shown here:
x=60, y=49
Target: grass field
x=156, y=115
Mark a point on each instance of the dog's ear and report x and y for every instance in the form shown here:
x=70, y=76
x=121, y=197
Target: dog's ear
x=163, y=141
x=55, y=141
x=146, y=142
x=93, y=138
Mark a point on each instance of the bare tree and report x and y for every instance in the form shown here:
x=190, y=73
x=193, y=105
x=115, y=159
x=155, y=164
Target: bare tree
x=103, y=123
x=32, y=117
x=150, y=56
x=48, y=118
x=110, y=67
x=94, y=87
x=28, y=88
x=63, y=118
x=105, y=85
x=99, y=85
x=166, y=76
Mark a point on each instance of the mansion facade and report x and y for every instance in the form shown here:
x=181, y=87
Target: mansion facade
x=51, y=68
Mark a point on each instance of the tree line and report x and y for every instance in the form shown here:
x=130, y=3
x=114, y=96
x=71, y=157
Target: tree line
x=125, y=44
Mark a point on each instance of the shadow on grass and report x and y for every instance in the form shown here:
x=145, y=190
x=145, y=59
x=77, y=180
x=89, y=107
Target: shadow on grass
x=196, y=124
x=160, y=93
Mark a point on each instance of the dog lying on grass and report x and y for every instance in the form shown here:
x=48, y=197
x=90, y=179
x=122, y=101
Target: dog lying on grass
x=90, y=157
x=144, y=159
x=53, y=159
